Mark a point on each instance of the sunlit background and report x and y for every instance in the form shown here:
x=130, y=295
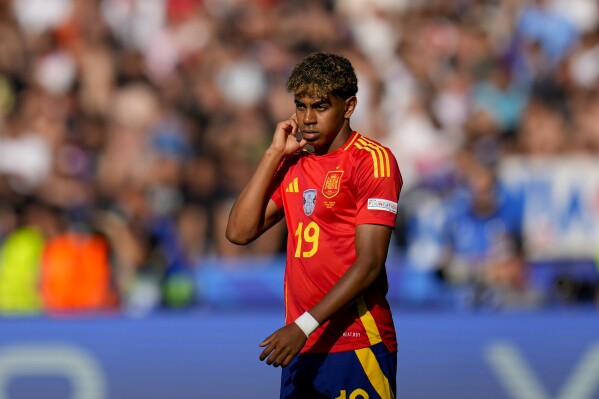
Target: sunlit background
x=128, y=127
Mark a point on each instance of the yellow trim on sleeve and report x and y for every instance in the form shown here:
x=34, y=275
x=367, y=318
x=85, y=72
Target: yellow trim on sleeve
x=385, y=155
x=374, y=158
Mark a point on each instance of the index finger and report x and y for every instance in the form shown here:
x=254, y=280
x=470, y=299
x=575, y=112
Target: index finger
x=266, y=341
x=293, y=122
x=267, y=351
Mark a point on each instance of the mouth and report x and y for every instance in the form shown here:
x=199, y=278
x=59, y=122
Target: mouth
x=309, y=135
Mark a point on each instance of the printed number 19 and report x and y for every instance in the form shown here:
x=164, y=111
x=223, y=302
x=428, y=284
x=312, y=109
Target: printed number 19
x=310, y=235
x=358, y=393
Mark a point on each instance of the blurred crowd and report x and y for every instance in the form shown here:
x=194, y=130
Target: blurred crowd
x=127, y=128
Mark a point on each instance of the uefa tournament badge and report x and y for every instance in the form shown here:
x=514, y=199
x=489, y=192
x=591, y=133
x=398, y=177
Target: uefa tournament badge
x=332, y=183
x=309, y=201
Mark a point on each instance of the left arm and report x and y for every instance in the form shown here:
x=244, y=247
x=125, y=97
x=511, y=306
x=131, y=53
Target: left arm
x=372, y=244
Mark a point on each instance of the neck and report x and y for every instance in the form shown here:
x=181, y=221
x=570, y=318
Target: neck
x=337, y=143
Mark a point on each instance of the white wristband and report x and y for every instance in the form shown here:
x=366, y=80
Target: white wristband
x=307, y=323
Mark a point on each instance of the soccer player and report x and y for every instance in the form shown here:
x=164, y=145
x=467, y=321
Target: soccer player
x=338, y=191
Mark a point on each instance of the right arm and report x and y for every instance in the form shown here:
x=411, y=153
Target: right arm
x=253, y=213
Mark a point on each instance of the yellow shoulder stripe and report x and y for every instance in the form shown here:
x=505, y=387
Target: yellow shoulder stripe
x=351, y=141
x=380, y=157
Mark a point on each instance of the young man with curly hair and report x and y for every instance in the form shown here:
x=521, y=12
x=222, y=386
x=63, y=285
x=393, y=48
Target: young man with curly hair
x=339, y=200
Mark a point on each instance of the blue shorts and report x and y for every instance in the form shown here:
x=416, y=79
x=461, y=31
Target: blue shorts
x=367, y=373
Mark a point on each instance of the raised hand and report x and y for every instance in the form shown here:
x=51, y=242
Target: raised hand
x=285, y=139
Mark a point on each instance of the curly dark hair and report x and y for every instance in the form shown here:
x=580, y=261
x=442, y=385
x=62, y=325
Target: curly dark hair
x=322, y=74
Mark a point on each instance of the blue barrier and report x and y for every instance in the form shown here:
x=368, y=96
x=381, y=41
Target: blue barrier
x=214, y=354
x=259, y=281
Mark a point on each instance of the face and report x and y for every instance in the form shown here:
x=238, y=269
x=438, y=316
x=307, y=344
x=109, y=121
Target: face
x=324, y=121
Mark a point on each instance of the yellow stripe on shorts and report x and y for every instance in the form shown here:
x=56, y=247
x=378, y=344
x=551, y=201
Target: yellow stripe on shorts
x=374, y=373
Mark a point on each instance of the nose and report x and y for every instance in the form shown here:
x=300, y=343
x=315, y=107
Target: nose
x=309, y=117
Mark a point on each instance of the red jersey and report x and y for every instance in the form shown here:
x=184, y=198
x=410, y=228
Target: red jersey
x=324, y=198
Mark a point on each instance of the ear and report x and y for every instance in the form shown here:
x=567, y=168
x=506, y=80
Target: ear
x=350, y=106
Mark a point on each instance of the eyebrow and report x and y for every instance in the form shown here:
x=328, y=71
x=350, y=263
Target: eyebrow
x=316, y=104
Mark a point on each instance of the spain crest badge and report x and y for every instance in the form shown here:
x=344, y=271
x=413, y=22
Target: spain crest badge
x=332, y=183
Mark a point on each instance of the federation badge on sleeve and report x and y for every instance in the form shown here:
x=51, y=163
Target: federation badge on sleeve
x=332, y=183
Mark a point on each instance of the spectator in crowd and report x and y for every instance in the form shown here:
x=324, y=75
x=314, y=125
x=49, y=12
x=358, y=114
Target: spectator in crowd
x=482, y=241
x=129, y=116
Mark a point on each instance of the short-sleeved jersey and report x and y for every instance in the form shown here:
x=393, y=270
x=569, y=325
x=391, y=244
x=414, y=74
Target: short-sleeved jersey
x=324, y=199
